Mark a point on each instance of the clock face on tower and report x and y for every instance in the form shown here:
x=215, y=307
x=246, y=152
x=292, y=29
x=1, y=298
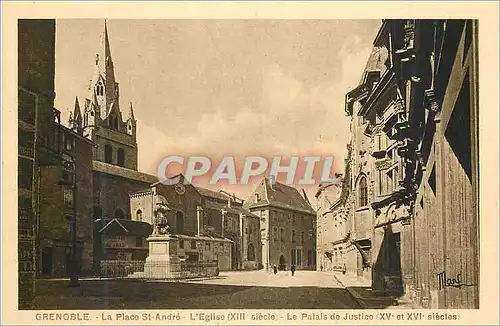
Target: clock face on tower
x=180, y=189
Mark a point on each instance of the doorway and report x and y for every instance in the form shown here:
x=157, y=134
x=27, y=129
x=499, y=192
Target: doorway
x=47, y=261
x=393, y=282
x=282, y=263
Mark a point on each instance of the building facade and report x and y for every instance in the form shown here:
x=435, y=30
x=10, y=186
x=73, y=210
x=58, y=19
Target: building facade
x=415, y=161
x=287, y=225
x=37, y=142
x=224, y=214
x=66, y=198
x=186, y=207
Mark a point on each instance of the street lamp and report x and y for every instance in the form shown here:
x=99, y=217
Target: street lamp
x=69, y=182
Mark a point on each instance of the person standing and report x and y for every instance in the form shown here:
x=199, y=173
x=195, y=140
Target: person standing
x=293, y=270
x=275, y=269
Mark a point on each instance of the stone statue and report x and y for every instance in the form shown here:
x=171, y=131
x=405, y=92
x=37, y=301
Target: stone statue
x=161, y=226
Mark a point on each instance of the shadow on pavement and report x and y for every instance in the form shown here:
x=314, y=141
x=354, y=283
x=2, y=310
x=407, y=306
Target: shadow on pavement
x=127, y=294
x=371, y=300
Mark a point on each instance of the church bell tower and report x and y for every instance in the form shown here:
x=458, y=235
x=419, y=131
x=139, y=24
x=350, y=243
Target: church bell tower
x=103, y=122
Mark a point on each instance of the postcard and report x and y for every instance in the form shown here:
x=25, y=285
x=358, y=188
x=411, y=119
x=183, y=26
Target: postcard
x=250, y=163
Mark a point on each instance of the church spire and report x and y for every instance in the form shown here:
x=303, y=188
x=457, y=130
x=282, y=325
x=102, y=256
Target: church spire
x=75, y=119
x=103, y=83
x=77, y=114
x=131, y=112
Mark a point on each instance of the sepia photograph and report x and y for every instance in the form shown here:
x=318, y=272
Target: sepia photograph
x=327, y=166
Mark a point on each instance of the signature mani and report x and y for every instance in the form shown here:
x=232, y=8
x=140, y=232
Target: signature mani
x=445, y=282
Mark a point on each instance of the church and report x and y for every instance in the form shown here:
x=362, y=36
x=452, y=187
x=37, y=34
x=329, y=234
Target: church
x=120, y=208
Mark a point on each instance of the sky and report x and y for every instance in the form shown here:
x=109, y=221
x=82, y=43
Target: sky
x=224, y=87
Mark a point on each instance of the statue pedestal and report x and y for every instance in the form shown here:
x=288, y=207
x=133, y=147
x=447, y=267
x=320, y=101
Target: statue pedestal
x=163, y=261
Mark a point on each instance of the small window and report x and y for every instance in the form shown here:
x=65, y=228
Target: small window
x=68, y=196
x=108, y=154
x=138, y=215
x=193, y=244
x=282, y=234
x=293, y=235
x=181, y=244
x=363, y=192
x=121, y=157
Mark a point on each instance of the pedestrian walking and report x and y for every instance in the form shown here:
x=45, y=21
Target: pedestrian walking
x=293, y=270
x=344, y=270
x=321, y=267
x=275, y=269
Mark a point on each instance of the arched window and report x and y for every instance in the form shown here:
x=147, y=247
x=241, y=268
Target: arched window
x=363, y=192
x=108, y=154
x=119, y=213
x=179, y=222
x=251, y=252
x=138, y=215
x=121, y=157
x=100, y=89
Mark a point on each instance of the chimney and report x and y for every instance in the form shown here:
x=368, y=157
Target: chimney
x=199, y=220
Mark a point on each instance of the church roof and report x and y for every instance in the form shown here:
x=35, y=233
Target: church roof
x=211, y=193
x=123, y=172
x=280, y=196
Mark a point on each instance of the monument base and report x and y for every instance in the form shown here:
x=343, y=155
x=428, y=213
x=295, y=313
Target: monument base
x=163, y=261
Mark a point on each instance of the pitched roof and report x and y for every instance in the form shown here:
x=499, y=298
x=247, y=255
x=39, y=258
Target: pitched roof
x=117, y=226
x=123, y=172
x=278, y=195
x=211, y=193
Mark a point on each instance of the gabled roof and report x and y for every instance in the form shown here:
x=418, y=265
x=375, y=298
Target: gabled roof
x=117, y=226
x=280, y=196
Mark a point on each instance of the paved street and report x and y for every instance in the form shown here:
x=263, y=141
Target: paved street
x=233, y=290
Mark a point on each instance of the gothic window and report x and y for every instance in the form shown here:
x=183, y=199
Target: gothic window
x=121, y=157
x=108, y=153
x=251, y=252
x=138, y=215
x=68, y=170
x=100, y=89
x=363, y=192
x=119, y=213
x=180, y=222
